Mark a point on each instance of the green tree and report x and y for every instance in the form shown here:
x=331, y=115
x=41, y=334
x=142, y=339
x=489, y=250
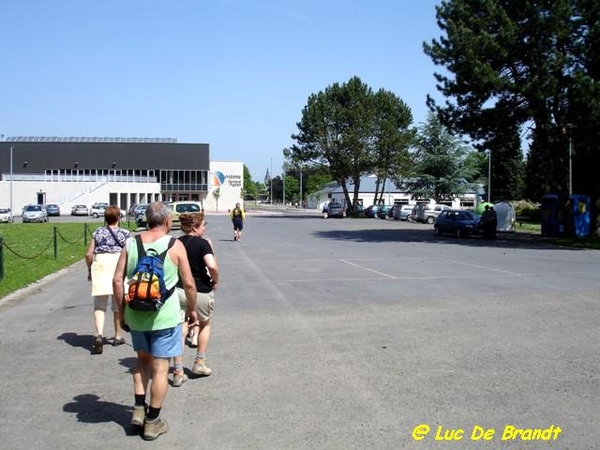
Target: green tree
x=251, y=188
x=511, y=64
x=439, y=171
x=292, y=189
x=216, y=194
x=392, y=140
x=336, y=132
x=351, y=131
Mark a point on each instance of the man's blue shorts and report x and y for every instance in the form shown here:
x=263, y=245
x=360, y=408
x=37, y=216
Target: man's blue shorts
x=159, y=343
x=238, y=223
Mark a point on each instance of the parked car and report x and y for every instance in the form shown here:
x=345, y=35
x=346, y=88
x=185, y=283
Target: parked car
x=402, y=212
x=383, y=210
x=35, y=213
x=358, y=212
x=79, y=210
x=335, y=209
x=427, y=213
x=97, y=210
x=178, y=208
x=5, y=215
x=53, y=209
x=371, y=211
x=458, y=222
x=140, y=214
x=392, y=210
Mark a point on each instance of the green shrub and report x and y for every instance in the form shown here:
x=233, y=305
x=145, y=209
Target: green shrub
x=528, y=211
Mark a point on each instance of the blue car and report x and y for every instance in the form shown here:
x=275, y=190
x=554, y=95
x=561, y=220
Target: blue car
x=457, y=221
x=52, y=209
x=371, y=211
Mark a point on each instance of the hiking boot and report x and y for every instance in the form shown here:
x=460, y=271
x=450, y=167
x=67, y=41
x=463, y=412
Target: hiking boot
x=200, y=368
x=139, y=416
x=154, y=429
x=179, y=378
x=97, y=350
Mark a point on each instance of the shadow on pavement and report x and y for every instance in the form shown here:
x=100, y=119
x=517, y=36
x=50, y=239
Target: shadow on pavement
x=85, y=341
x=90, y=409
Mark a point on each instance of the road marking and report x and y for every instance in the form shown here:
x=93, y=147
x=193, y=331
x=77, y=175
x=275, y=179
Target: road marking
x=370, y=270
x=453, y=261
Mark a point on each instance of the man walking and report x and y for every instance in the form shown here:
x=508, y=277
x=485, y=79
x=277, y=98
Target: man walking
x=155, y=335
x=238, y=218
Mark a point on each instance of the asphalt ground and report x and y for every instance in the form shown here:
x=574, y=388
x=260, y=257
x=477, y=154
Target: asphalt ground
x=332, y=334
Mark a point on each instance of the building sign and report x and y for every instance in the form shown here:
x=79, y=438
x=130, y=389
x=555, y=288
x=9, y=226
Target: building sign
x=220, y=179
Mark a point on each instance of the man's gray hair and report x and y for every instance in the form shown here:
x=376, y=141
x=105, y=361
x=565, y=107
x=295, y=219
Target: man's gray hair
x=157, y=214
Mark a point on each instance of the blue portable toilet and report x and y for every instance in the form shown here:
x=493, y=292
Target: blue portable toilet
x=580, y=211
x=550, y=215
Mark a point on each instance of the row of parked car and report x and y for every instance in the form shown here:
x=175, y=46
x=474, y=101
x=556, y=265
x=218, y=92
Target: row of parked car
x=443, y=218
x=137, y=212
x=425, y=213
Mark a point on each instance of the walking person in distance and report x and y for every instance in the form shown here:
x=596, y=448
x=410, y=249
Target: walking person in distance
x=238, y=218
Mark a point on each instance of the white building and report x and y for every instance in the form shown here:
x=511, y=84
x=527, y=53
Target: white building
x=119, y=171
x=391, y=195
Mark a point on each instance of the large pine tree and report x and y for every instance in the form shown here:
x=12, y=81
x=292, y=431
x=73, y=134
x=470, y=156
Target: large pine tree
x=523, y=67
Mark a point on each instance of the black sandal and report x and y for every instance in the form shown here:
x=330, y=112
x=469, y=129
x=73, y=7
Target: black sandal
x=117, y=342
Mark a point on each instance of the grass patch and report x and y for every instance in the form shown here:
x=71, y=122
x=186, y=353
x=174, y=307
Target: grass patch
x=592, y=242
x=527, y=226
x=28, y=250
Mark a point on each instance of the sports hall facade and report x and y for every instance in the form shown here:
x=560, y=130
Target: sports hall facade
x=120, y=171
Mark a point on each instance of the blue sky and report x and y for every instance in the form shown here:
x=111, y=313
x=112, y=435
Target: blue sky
x=231, y=73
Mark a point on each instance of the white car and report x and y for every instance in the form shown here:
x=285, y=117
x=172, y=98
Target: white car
x=4, y=215
x=98, y=209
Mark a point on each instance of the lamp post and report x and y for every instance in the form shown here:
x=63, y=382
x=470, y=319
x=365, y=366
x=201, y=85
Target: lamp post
x=570, y=165
x=271, y=182
x=301, y=199
x=12, y=220
x=570, y=126
x=489, y=175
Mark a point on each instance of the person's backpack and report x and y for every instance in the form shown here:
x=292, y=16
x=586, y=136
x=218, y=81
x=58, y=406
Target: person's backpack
x=147, y=290
x=237, y=212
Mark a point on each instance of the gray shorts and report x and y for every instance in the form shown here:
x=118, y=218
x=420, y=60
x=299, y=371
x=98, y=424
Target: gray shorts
x=205, y=304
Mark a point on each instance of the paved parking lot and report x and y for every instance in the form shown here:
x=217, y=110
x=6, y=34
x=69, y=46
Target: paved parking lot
x=334, y=334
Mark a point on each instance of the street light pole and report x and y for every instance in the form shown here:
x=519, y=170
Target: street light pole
x=301, y=200
x=489, y=175
x=271, y=182
x=569, y=129
x=570, y=166
x=11, y=185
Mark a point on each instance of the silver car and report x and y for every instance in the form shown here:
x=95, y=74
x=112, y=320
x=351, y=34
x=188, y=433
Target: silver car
x=34, y=213
x=402, y=212
x=427, y=213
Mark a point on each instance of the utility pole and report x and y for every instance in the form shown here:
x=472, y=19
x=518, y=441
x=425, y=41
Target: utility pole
x=489, y=175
